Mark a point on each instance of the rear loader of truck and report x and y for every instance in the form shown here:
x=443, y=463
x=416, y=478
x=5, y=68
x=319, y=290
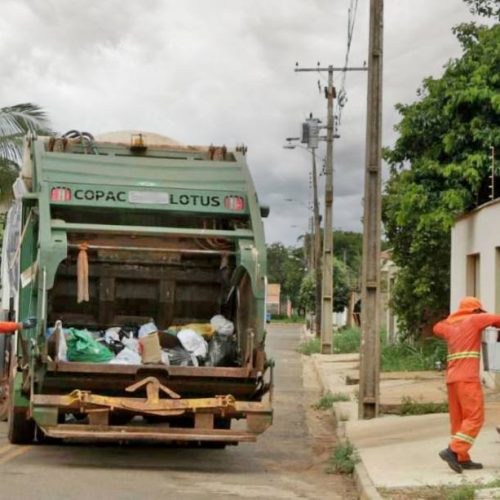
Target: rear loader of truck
x=131, y=234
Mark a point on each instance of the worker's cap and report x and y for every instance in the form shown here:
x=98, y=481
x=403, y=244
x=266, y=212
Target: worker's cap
x=471, y=303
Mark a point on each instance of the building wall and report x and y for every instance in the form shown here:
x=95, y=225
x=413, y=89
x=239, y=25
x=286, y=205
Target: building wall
x=475, y=249
x=475, y=261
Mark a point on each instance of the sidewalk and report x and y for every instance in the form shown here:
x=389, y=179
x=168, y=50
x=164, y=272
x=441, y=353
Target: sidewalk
x=402, y=452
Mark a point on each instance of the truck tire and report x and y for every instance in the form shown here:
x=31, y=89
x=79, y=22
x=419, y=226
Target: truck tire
x=21, y=429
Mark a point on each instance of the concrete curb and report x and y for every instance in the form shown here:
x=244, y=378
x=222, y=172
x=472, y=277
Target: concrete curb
x=364, y=484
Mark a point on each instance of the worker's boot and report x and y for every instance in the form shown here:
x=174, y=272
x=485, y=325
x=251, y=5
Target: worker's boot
x=470, y=465
x=450, y=457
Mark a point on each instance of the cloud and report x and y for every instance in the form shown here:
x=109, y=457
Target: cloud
x=222, y=72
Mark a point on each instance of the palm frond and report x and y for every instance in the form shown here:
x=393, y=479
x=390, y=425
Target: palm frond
x=15, y=122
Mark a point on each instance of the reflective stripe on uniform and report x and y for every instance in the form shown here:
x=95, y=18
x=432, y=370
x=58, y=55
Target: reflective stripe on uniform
x=462, y=355
x=464, y=437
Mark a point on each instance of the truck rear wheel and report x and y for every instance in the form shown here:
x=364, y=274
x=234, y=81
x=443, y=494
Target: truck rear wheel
x=21, y=429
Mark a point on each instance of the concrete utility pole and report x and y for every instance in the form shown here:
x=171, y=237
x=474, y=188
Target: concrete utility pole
x=317, y=245
x=327, y=263
x=327, y=295
x=370, y=286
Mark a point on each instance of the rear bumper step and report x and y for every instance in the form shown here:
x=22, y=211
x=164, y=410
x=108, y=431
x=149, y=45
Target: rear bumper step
x=133, y=433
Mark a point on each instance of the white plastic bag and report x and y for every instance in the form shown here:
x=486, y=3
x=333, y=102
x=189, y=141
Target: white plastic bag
x=222, y=326
x=126, y=357
x=111, y=335
x=131, y=343
x=147, y=328
x=193, y=342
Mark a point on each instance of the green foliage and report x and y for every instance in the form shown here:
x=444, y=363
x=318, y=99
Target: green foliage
x=309, y=346
x=348, y=248
x=283, y=318
x=403, y=356
x=15, y=122
x=487, y=8
x=410, y=406
x=307, y=294
x=343, y=459
x=326, y=401
x=341, y=286
x=439, y=169
x=286, y=266
x=346, y=340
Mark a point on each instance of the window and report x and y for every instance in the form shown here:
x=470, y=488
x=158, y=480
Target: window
x=473, y=284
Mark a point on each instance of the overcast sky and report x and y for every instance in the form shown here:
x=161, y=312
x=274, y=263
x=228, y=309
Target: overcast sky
x=221, y=72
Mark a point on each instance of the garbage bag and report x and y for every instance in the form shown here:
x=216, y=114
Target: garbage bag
x=112, y=339
x=129, y=330
x=222, y=351
x=222, y=325
x=178, y=356
x=147, y=328
x=84, y=348
x=193, y=342
x=127, y=357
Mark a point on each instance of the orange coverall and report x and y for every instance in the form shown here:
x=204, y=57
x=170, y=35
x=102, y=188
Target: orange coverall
x=9, y=327
x=462, y=332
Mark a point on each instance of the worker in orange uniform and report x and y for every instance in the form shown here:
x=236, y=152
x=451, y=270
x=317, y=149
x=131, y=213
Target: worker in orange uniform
x=462, y=332
x=11, y=326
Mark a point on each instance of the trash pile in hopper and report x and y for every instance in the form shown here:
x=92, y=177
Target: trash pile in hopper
x=195, y=344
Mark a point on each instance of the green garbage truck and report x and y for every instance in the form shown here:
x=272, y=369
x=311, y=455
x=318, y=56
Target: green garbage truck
x=106, y=237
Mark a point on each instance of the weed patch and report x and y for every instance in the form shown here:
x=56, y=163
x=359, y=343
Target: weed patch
x=346, y=341
x=410, y=406
x=343, y=459
x=326, y=401
x=309, y=346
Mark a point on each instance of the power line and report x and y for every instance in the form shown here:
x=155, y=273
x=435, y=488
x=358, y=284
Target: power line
x=351, y=23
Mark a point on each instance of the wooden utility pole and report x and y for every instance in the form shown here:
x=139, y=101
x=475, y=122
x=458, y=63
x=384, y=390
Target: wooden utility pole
x=370, y=286
x=317, y=245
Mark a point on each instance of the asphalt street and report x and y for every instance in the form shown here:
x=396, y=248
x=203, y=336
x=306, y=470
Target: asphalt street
x=287, y=462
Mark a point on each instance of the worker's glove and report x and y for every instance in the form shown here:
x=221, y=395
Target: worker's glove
x=29, y=323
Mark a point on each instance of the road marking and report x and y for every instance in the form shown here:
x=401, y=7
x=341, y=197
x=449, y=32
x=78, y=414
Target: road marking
x=17, y=451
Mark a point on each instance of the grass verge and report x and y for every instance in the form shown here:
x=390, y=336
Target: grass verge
x=410, y=406
x=326, y=401
x=462, y=492
x=401, y=357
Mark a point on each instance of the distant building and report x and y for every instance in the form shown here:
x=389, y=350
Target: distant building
x=475, y=261
x=273, y=301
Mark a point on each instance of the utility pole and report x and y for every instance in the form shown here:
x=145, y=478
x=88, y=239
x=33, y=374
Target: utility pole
x=327, y=263
x=370, y=286
x=317, y=245
x=327, y=294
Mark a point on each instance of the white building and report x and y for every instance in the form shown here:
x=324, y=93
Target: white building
x=475, y=261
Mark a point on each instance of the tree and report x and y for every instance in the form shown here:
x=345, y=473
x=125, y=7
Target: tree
x=487, y=8
x=307, y=296
x=286, y=266
x=348, y=248
x=439, y=169
x=15, y=122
